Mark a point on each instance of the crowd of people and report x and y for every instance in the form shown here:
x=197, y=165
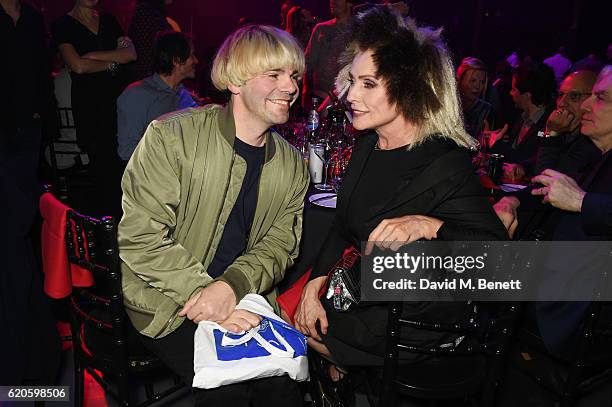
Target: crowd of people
x=210, y=198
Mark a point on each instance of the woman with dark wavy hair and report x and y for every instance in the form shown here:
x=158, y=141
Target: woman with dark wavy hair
x=409, y=178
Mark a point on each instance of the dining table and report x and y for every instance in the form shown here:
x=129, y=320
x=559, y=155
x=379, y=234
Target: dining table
x=317, y=220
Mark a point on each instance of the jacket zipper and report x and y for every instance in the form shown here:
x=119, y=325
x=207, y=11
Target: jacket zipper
x=229, y=179
x=295, y=239
x=170, y=320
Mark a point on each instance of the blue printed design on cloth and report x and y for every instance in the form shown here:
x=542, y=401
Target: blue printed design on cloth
x=252, y=349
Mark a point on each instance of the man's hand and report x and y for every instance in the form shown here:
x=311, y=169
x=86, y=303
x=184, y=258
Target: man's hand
x=394, y=233
x=561, y=121
x=310, y=310
x=495, y=135
x=241, y=320
x=513, y=172
x=213, y=303
x=506, y=212
x=559, y=190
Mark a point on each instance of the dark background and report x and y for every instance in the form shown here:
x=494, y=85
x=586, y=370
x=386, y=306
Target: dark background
x=489, y=29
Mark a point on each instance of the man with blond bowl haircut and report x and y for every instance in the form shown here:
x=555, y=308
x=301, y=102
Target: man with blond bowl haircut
x=212, y=202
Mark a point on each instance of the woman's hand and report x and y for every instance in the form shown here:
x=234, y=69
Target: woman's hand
x=394, y=233
x=310, y=310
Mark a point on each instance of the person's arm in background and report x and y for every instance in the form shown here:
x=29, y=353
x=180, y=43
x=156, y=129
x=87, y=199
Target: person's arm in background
x=564, y=193
x=81, y=65
x=123, y=54
x=312, y=58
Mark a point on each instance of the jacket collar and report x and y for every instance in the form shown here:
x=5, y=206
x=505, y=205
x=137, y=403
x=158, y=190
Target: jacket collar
x=158, y=83
x=227, y=126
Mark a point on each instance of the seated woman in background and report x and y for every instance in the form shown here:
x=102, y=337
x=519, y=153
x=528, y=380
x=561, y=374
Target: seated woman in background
x=410, y=177
x=472, y=81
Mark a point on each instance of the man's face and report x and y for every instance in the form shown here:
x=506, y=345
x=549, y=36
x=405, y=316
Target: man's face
x=521, y=100
x=268, y=96
x=186, y=70
x=574, y=90
x=597, y=112
x=339, y=8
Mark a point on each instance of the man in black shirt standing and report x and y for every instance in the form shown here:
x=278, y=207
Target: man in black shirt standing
x=30, y=345
x=26, y=85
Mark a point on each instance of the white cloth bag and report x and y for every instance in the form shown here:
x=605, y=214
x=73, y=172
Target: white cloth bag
x=273, y=348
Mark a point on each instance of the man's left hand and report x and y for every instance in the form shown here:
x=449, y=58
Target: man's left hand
x=559, y=190
x=241, y=320
x=394, y=233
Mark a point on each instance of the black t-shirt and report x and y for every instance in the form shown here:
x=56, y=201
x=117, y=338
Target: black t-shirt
x=238, y=225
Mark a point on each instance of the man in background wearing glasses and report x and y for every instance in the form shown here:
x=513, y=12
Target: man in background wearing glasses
x=563, y=146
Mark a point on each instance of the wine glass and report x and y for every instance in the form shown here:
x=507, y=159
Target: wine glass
x=324, y=150
x=339, y=168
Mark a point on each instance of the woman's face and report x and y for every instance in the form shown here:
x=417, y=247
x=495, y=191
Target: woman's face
x=472, y=84
x=367, y=95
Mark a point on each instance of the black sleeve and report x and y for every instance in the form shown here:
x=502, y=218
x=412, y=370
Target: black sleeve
x=61, y=32
x=47, y=104
x=596, y=213
x=548, y=153
x=334, y=245
x=529, y=164
x=466, y=212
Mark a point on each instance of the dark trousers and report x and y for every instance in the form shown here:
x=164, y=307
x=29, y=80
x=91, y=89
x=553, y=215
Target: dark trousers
x=176, y=351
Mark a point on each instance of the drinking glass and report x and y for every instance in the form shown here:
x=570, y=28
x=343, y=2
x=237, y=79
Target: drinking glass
x=324, y=150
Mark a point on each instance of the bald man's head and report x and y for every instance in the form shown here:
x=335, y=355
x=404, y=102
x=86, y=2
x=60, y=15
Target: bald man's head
x=574, y=90
x=584, y=79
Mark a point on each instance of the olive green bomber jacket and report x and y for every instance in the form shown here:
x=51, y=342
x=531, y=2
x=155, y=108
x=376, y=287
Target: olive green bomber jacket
x=178, y=191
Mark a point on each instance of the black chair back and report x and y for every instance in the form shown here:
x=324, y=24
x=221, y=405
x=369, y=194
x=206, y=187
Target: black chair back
x=469, y=365
x=103, y=340
x=566, y=378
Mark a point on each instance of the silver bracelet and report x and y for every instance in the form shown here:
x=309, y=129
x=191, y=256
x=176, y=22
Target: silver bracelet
x=112, y=68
